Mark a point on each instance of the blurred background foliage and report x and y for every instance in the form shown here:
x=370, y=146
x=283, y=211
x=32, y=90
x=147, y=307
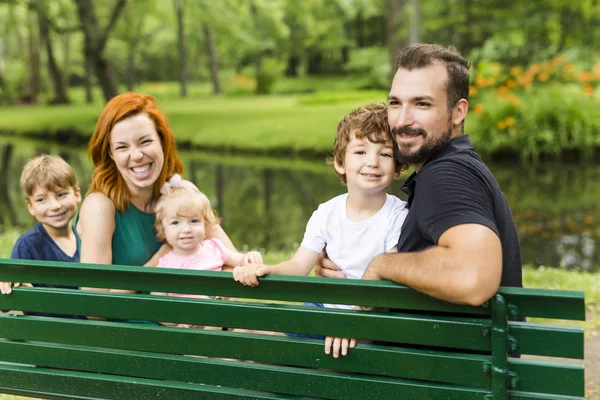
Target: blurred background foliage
x=534, y=75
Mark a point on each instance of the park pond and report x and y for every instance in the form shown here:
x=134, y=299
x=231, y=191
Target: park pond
x=265, y=202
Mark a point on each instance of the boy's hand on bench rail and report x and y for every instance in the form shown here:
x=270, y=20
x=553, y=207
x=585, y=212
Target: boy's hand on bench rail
x=337, y=344
x=326, y=268
x=6, y=287
x=248, y=274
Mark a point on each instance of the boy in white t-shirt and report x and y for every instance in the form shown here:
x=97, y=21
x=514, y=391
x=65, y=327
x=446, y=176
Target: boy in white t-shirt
x=355, y=226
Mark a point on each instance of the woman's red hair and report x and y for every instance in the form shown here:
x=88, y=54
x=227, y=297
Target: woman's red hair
x=106, y=178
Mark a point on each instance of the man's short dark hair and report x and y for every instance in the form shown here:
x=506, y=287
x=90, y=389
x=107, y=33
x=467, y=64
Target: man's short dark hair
x=422, y=55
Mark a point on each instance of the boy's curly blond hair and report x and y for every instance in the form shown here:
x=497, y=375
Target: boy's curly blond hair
x=51, y=173
x=370, y=121
x=186, y=200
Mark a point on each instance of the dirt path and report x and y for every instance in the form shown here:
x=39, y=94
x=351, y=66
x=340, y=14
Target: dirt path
x=592, y=365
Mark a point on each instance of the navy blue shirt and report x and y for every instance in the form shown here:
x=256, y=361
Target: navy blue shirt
x=36, y=244
x=455, y=187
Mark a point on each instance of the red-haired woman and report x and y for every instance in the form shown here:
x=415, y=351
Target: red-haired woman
x=134, y=154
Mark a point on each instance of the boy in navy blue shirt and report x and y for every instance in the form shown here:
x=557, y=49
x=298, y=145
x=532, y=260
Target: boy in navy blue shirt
x=52, y=196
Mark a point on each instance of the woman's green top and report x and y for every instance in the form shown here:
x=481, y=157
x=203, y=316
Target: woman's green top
x=134, y=240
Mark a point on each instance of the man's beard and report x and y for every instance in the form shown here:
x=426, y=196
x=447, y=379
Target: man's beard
x=430, y=146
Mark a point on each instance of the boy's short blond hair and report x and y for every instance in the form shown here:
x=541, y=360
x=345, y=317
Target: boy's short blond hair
x=51, y=173
x=186, y=200
x=370, y=121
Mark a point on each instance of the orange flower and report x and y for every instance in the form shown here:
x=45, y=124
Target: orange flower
x=473, y=90
x=569, y=67
x=543, y=77
x=535, y=68
x=584, y=76
x=514, y=99
x=478, y=109
x=510, y=83
x=501, y=125
x=502, y=90
x=480, y=81
x=510, y=121
x=514, y=71
x=556, y=60
x=588, y=90
x=491, y=81
x=589, y=219
x=597, y=70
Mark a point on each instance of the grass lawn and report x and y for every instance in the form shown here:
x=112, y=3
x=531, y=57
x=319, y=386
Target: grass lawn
x=258, y=124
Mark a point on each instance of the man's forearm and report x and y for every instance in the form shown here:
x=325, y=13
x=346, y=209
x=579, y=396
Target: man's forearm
x=435, y=271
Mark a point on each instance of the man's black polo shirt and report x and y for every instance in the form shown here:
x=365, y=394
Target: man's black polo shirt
x=455, y=187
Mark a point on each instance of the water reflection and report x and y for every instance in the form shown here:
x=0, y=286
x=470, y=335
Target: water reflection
x=265, y=203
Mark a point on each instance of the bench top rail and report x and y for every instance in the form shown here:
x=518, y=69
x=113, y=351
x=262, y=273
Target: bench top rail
x=527, y=302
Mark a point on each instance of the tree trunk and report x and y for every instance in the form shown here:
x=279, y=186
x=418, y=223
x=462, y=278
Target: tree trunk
x=95, y=40
x=87, y=80
x=32, y=91
x=2, y=89
x=213, y=59
x=131, y=73
x=66, y=61
x=56, y=75
x=293, y=63
x=415, y=22
x=395, y=44
x=182, y=49
x=258, y=56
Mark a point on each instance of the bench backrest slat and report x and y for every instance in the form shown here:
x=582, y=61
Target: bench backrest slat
x=530, y=302
x=456, y=332
x=95, y=386
x=548, y=340
x=464, y=333
x=549, y=377
x=299, y=381
x=445, y=367
x=287, y=288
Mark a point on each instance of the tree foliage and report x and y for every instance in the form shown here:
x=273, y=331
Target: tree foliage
x=121, y=43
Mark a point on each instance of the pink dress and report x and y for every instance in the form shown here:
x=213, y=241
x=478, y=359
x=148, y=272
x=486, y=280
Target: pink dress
x=210, y=257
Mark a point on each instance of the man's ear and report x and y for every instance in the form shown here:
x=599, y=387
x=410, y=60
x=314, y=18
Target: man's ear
x=459, y=112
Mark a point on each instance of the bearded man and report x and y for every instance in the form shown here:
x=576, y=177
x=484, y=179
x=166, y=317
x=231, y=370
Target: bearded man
x=459, y=241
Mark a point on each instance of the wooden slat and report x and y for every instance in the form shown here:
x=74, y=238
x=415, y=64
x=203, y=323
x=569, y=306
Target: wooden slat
x=286, y=288
x=459, y=333
x=233, y=374
x=548, y=340
x=544, y=303
x=549, y=377
x=85, y=385
x=465, y=369
x=514, y=395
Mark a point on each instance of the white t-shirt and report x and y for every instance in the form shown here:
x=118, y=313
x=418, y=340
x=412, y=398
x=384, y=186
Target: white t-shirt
x=351, y=245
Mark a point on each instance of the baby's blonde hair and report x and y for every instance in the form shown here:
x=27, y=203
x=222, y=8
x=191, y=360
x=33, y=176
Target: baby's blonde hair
x=186, y=200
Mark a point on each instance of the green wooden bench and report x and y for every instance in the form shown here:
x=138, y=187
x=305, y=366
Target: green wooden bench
x=439, y=355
